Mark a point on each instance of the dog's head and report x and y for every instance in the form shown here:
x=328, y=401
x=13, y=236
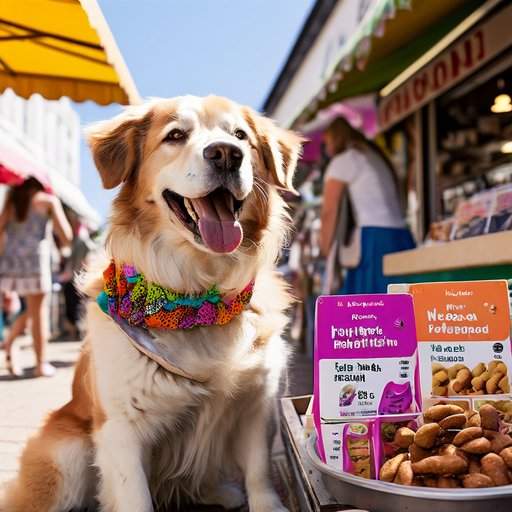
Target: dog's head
x=201, y=167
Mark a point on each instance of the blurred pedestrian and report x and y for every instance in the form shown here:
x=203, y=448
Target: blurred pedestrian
x=360, y=169
x=25, y=267
x=81, y=247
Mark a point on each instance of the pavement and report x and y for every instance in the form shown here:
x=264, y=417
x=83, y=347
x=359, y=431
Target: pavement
x=25, y=402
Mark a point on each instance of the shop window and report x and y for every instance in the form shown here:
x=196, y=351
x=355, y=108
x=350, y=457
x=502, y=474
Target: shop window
x=474, y=148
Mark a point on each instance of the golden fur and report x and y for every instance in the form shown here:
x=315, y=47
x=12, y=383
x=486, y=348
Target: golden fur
x=129, y=421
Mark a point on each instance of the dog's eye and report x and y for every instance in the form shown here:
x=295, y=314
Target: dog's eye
x=240, y=134
x=175, y=135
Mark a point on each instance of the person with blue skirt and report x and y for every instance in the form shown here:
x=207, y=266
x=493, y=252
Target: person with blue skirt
x=360, y=169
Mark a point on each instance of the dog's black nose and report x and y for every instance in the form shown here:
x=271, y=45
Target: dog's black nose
x=223, y=156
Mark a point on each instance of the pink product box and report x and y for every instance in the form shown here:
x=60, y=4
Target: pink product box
x=365, y=366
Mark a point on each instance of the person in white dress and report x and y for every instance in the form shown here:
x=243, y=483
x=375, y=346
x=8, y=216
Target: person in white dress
x=25, y=268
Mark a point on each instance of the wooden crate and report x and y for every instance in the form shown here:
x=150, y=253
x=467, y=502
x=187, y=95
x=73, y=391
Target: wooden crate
x=309, y=488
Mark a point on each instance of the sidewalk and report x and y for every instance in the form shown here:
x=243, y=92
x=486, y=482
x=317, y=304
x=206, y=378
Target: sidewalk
x=25, y=402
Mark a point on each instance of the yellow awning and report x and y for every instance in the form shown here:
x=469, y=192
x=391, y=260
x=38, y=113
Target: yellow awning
x=62, y=48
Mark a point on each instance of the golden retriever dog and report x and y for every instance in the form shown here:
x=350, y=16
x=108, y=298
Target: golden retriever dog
x=198, y=206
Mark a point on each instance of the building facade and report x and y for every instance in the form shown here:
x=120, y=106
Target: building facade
x=47, y=133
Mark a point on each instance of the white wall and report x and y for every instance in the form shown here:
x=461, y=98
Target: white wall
x=49, y=130
x=308, y=80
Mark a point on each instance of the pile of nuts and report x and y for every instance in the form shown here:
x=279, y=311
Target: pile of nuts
x=458, y=379
x=454, y=448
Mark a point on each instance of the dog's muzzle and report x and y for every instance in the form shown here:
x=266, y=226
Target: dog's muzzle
x=223, y=156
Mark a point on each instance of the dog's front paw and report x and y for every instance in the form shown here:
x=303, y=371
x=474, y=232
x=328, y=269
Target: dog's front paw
x=266, y=501
x=228, y=495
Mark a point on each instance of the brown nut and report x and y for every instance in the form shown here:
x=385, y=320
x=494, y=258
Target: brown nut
x=438, y=412
x=417, y=482
x=426, y=435
x=498, y=366
x=504, y=385
x=416, y=453
x=440, y=390
x=453, y=370
x=404, y=437
x=430, y=481
x=463, y=455
x=445, y=482
x=477, y=446
x=478, y=383
x=404, y=474
x=437, y=367
x=506, y=455
x=440, y=465
x=447, y=449
x=502, y=368
x=462, y=380
x=474, y=421
x=495, y=468
x=466, y=435
x=453, y=421
x=478, y=370
x=490, y=417
x=476, y=480
x=498, y=440
x=389, y=469
x=439, y=378
x=491, y=386
x=474, y=466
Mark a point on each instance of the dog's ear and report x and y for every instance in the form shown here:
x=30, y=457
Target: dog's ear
x=279, y=149
x=117, y=145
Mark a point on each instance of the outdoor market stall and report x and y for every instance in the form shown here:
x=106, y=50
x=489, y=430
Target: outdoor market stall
x=411, y=406
x=460, y=107
x=442, y=75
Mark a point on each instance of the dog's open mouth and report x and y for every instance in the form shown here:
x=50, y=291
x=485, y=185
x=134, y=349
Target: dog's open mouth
x=213, y=218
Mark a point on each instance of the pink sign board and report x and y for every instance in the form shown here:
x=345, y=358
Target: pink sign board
x=365, y=359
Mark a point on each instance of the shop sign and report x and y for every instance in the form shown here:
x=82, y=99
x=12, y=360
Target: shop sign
x=453, y=65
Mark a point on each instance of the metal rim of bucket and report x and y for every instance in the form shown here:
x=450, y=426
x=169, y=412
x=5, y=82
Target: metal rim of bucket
x=431, y=493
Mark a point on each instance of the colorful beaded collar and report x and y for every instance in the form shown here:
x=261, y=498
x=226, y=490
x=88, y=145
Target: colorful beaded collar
x=128, y=295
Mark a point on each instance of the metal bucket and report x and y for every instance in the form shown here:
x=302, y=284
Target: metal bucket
x=377, y=496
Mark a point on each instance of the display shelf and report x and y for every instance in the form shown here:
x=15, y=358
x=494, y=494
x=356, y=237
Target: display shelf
x=490, y=250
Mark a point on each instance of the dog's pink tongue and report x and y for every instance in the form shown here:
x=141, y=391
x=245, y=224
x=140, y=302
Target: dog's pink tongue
x=219, y=229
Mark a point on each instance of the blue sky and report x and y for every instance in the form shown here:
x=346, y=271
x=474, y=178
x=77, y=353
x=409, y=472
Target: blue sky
x=173, y=47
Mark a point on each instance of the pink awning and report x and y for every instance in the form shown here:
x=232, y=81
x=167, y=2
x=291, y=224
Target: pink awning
x=15, y=168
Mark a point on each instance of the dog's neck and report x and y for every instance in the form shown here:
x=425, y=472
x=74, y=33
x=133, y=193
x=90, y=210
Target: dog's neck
x=173, y=263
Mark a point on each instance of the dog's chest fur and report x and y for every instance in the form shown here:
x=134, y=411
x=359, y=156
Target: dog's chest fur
x=172, y=413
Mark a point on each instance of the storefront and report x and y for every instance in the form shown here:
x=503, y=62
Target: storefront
x=441, y=77
x=458, y=105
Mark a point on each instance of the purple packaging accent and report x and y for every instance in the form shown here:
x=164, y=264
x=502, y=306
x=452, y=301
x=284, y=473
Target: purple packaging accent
x=357, y=449
x=365, y=359
x=396, y=398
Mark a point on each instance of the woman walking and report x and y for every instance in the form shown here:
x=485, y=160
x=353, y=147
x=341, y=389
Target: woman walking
x=25, y=267
x=359, y=168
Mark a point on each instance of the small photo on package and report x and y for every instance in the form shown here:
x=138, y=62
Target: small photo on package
x=348, y=447
x=365, y=357
x=357, y=456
